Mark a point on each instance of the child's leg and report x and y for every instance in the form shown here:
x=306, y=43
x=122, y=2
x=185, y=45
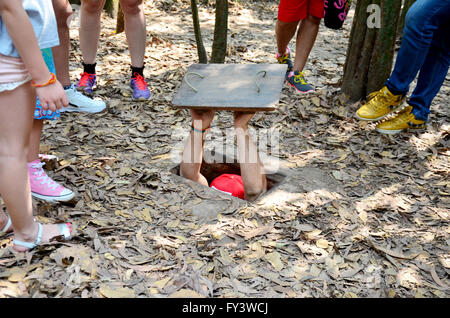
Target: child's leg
x=33, y=154
x=91, y=11
x=35, y=140
x=306, y=37
x=133, y=12
x=42, y=186
x=284, y=31
x=63, y=12
x=290, y=12
x=16, y=109
x=15, y=125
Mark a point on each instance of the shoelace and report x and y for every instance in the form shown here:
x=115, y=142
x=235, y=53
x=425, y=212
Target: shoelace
x=140, y=81
x=300, y=78
x=86, y=79
x=43, y=176
x=405, y=116
x=80, y=97
x=378, y=97
x=283, y=58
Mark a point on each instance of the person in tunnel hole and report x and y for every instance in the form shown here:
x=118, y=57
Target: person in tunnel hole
x=253, y=178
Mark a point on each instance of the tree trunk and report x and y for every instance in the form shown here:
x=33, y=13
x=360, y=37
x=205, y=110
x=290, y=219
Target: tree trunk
x=383, y=53
x=112, y=7
x=358, y=53
x=371, y=49
x=401, y=24
x=219, y=47
x=203, y=58
x=120, y=23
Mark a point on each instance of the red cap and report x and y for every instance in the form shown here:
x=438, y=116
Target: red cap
x=231, y=184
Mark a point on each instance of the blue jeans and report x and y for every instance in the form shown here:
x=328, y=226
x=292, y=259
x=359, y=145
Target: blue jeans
x=425, y=48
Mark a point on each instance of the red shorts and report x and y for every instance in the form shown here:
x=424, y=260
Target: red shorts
x=296, y=10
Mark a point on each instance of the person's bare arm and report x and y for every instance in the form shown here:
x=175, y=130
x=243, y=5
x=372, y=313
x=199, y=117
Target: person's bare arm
x=21, y=31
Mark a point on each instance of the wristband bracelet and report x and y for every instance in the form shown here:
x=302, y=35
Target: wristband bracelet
x=199, y=130
x=49, y=82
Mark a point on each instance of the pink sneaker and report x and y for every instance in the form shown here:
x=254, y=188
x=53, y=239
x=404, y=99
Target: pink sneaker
x=43, y=187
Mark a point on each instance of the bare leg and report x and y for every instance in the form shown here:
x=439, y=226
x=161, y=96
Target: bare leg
x=91, y=11
x=252, y=169
x=15, y=127
x=193, y=150
x=306, y=36
x=63, y=12
x=284, y=31
x=35, y=140
x=133, y=12
x=40, y=182
x=3, y=221
x=35, y=133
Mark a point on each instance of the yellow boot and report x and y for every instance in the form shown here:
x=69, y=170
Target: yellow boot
x=404, y=120
x=380, y=104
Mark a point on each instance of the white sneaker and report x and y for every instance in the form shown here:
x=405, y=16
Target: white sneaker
x=82, y=103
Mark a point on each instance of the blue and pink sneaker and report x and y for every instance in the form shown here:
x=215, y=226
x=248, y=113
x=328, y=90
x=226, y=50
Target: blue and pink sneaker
x=297, y=80
x=87, y=83
x=139, y=87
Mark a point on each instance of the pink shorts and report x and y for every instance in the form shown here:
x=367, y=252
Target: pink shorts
x=13, y=73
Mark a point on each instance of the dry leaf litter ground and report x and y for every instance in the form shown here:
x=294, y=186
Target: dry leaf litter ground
x=359, y=215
